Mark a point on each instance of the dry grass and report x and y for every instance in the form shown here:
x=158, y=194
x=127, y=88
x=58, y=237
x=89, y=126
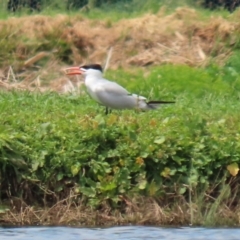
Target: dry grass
x=67, y=212
x=179, y=38
x=32, y=81
x=140, y=210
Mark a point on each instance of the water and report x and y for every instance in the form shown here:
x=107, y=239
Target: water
x=119, y=233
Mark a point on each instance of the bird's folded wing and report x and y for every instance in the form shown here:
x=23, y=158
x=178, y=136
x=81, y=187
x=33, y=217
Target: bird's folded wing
x=111, y=88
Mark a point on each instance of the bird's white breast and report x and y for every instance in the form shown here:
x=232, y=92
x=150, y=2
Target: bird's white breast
x=93, y=87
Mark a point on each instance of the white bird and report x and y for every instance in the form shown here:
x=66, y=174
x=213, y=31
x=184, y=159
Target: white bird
x=108, y=93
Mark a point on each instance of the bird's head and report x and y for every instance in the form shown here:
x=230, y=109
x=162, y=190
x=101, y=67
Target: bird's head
x=91, y=69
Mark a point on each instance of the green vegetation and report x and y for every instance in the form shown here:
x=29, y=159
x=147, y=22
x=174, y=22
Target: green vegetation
x=53, y=144
x=61, y=157
x=114, y=10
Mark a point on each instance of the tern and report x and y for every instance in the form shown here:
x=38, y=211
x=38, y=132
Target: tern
x=110, y=94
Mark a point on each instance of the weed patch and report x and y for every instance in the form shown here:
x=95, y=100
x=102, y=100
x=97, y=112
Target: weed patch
x=65, y=145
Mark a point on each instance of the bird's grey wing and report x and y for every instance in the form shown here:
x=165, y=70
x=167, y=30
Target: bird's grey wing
x=114, y=96
x=111, y=88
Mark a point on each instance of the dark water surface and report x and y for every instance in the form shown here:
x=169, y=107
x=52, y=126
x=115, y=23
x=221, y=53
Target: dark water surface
x=119, y=233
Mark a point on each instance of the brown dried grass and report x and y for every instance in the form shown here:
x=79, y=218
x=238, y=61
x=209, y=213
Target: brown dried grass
x=179, y=38
x=138, y=210
x=172, y=209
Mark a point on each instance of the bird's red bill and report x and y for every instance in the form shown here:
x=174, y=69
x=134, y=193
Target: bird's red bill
x=73, y=71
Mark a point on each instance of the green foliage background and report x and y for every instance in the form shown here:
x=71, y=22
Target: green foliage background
x=56, y=143
x=121, y=8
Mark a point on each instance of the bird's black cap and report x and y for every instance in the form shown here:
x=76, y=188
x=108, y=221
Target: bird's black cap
x=93, y=66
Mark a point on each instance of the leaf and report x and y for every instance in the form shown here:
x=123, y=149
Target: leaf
x=100, y=119
x=35, y=165
x=3, y=209
x=166, y=172
x=139, y=161
x=132, y=135
x=94, y=202
x=89, y=192
x=17, y=161
x=144, y=155
x=142, y=184
x=159, y=140
x=166, y=120
x=193, y=179
x=75, y=169
x=108, y=186
x=112, y=119
x=221, y=121
x=182, y=190
x=59, y=176
x=46, y=127
x=152, y=189
x=233, y=169
x=153, y=123
x=58, y=188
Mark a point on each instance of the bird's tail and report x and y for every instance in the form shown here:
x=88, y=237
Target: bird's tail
x=157, y=104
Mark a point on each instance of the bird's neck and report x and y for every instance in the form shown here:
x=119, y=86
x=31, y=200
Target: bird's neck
x=93, y=78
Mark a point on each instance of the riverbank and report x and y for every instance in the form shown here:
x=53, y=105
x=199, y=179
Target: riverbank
x=63, y=162
x=133, y=211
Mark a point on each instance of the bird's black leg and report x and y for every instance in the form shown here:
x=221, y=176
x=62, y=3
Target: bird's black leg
x=107, y=111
